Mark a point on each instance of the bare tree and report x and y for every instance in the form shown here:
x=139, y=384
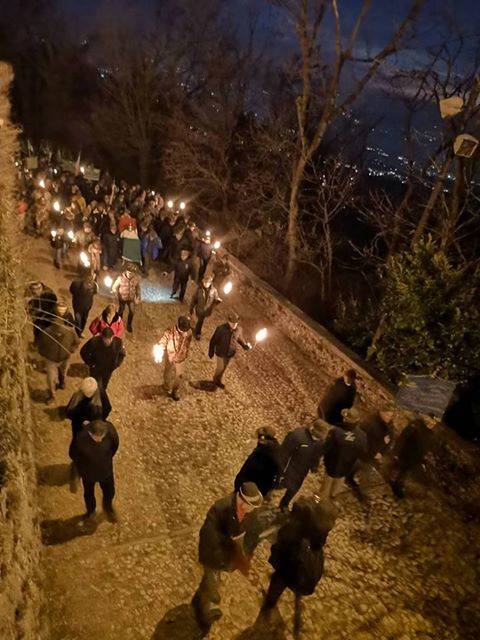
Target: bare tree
x=319, y=76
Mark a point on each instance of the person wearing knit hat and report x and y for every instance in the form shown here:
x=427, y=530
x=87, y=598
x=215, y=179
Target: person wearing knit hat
x=175, y=343
x=223, y=345
x=263, y=465
x=221, y=548
x=89, y=403
x=63, y=314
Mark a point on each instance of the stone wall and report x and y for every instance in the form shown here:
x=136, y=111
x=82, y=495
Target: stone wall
x=19, y=531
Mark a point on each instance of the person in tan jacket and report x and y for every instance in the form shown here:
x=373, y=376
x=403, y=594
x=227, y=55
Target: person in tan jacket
x=175, y=343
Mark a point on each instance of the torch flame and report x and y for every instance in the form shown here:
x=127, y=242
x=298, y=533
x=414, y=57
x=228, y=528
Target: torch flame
x=42, y=183
x=71, y=235
x=56, y=205
x=54, y=233
x=207, y=232
x=158, y=352
x=170, y=204
x=216, y=245
x=108, y=281
x=227, y=288
x=182, y=205
x=261, y=335
x=84, y=259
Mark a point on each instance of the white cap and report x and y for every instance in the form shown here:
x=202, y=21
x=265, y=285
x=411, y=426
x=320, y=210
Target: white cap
x=88, y=387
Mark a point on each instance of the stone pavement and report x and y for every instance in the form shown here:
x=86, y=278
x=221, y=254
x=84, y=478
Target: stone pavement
x=397, y=571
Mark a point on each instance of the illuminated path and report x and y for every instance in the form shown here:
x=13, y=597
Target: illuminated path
x=408, y=571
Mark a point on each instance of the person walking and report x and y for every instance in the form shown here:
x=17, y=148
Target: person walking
x=175, y=343
x=339, y=395
x=297, y=555
x=204, y=252
x=110, y=246
x=409, y=451
x=90, y=402
x=63, y=315
x=108, y=318
x=83, y=291
x=223, y=345
x=182, y=270
x=262, y=467
x=103, y=354
x=203, y=302
x=127, y=288
x=151, y=246
x=300, y=454
x=58, y=242
x=41, y=307
x=92, y=452
x=221, y=548
x=56, y=344
x=344, y=448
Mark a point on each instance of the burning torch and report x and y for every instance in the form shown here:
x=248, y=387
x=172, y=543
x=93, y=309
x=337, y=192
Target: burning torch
x=108, y=282
x=227, y=288
x=56, y=205
x=84, y=259
x=158, y=351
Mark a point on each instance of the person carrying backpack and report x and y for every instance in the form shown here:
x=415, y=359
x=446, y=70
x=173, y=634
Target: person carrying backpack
x=297, y=555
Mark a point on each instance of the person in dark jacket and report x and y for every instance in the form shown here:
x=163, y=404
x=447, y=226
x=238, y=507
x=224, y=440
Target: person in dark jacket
x=92, y=452
x=110, y=247
x=41, y=307
x=89, y=403
x=151, y=247
x=56, y=344
x=203, y=302
x=204, y=252
x=63, y=315
x=300, y=454
x=103, y=354
x=223, y=345
x=83, y=291
x=181, y=273
x=297, y=555
x=221, y=548
x=344, y=447
x=409, y=452
x=262, y=467
x=340, y=395
x=59, y=243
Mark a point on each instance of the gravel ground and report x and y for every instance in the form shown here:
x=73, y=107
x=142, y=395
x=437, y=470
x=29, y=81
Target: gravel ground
x=396, y=571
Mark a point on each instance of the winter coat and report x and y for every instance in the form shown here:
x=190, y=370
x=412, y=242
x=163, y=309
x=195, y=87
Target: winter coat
x=225, y=341
x=412, y=445
x=100, y=357
x=57, y=343
x=221, y=270
x=182, y=270
x=67, y=319
x=343, y=449
x=94, y=460
x=42, y=308
x=101, y=223
x=151, y=245
x=204, y=301
x=337, y=397
x=127, y=288
x=261, y=467
x=176, y=344
x=188, y=241
x=82, y=295
x=81, y=409
x=101, y=323
x=217, y=548
x=204, y=251
x=300, y=453
x=379, y=435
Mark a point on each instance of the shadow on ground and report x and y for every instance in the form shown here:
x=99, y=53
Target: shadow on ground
x=204, y=385
x=61, y=531
x=150, y=391
x=38, y=395
x=54, y=475
x=178, y=624
x=77, y=370
x=272, y=628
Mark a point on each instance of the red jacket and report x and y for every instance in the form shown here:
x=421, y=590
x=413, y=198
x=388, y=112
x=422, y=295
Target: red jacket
x=100, y=323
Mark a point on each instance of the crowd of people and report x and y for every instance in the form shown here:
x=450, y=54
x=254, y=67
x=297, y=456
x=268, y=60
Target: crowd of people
x=99, y=227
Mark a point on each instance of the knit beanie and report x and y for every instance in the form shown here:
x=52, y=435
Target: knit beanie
x=250, y=494
x=88, y=387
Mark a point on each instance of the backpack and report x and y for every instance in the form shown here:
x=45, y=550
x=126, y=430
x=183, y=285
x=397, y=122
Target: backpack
x=307, y=567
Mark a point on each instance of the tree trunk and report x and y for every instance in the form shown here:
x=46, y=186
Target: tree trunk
x=422, y=223
x=292, y=232
x=452, y=214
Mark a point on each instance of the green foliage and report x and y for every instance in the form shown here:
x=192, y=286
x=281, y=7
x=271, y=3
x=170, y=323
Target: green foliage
x=354, y=322
x=432, y=316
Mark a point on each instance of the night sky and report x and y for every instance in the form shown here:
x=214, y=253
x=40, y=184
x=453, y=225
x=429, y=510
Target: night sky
x=379, y=25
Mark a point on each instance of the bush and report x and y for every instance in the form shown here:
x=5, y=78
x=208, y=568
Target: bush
x=432, y=316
